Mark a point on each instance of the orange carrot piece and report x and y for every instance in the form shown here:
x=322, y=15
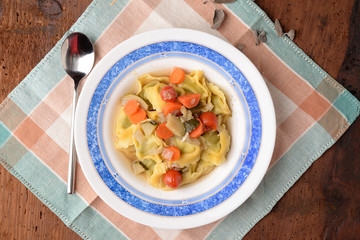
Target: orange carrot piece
x=163, y=132
x=197, y=131
x=177, y=75
x=131, y=107
x=174, y=152
x=190, y=100
x=138, y=117
x=171, y=107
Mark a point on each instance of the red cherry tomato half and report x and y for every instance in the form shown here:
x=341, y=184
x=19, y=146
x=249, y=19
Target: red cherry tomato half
x=209, y=119
x=172, y=178
x=207, y=129
x=168, y=94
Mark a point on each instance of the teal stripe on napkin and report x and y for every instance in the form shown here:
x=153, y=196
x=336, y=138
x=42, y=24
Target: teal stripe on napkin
x=93, y=225
x=66, y=206
x=30, y=92
x=70, y=208
x=86, y=220
x=93, y=29
x=348, y=105
x=4, y=134
x=314, y=142
x=292, y=55
x=275, y=184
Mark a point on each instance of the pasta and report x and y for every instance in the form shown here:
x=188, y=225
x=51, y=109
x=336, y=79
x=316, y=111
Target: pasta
x=174, y=128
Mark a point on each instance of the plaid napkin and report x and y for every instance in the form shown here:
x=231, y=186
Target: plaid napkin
x=312, y=112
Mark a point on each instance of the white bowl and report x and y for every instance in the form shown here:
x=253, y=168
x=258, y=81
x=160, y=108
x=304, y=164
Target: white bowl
x=252, y=129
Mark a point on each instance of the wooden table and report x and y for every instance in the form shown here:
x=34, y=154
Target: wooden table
x=324, y=203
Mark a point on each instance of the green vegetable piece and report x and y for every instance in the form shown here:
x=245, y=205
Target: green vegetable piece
x=175, y=125
x=126, y=123
x=143, y=165
x=212, y=140
x=148, y=128
x=148, y=164
x=190, y=125
x=138, y=167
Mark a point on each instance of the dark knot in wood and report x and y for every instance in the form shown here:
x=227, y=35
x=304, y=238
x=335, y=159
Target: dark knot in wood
x=50, y=7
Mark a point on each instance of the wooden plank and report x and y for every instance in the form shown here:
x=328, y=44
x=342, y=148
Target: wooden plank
x=28, y=31
x=324, y=202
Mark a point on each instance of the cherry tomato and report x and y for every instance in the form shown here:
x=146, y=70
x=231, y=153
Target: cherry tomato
x=207, y=129
x=209, y=119
x=172, y=178
x=168, y=94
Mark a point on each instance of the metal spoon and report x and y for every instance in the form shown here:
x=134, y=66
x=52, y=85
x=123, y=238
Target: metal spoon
x=77, y=56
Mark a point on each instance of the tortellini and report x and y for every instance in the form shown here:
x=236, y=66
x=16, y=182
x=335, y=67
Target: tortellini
x=218, y=100
x=124, y=131
x=149, y=151
x=151, y=94
x=189, y=152
x=217, y=145
x=146, y=149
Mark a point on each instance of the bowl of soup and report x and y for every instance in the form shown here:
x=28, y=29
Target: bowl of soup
x=174, y=126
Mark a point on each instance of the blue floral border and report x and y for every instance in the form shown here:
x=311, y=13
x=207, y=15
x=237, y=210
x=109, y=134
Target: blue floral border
x=165, y=49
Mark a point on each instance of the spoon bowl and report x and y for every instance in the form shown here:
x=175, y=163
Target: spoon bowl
x=77, y=57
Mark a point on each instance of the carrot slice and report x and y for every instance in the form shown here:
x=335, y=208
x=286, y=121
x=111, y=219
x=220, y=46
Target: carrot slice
x=138, y=117
x=190, y=100
x=171, y=153
x=177, y=75
x=172, y=107
x=163, y=132
x=197, y=131
x=131, y=107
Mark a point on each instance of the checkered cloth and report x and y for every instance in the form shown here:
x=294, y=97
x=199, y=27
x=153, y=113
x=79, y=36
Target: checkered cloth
x=312, y=112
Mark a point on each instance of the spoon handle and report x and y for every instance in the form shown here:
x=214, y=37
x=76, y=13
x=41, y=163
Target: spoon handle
x=72, y=151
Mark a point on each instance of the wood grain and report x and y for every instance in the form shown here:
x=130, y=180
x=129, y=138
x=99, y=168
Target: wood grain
x=28, y=31
x=324, y=203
